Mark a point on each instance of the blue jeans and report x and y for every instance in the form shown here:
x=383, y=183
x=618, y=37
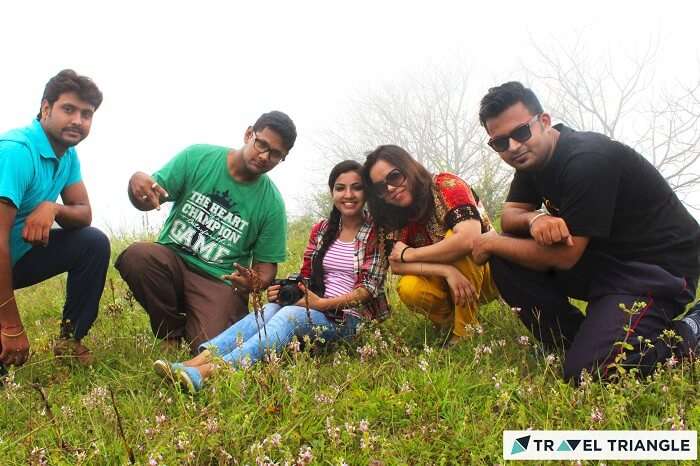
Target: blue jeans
x=277, y=327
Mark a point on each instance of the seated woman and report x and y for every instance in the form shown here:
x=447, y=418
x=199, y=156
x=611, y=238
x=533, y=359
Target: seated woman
x=346, y=274
x=433, y=220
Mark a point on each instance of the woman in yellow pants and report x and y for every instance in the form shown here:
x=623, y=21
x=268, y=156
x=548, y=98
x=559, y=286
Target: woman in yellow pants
x=432, y=220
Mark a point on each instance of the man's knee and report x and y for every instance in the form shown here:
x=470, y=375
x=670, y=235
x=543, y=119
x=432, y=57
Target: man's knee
x=579, y=359
x=95, y=241
x=135, y=257
x=409, y=290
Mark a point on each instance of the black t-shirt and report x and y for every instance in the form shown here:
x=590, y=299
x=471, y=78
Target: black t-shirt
x=605, y=190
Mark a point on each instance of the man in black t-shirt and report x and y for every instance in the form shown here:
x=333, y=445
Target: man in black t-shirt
x=612, y=233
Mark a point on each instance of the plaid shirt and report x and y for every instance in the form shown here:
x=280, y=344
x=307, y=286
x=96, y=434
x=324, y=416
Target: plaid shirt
x=369, y=267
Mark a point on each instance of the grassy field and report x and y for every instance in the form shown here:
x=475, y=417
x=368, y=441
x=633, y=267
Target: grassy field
x=392, y=396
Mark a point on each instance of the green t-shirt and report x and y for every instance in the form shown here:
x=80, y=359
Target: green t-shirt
x=217, y=220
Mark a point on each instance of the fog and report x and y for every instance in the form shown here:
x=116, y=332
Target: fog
x=174, y=74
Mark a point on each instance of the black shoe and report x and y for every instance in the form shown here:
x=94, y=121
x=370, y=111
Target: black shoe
x=3, y=373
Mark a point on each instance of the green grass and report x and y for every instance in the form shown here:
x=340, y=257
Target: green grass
x=410, y=403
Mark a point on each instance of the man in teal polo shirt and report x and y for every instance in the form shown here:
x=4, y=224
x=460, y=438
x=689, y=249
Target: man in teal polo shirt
x=37, y=164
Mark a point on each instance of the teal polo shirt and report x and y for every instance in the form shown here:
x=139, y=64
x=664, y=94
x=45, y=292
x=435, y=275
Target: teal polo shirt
x=30, y=173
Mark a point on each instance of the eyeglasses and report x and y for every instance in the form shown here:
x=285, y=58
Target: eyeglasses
x=394, y=178
x=521, y=134
x=262, y=146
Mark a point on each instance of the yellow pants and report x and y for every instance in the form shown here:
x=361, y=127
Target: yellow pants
x=431, y=296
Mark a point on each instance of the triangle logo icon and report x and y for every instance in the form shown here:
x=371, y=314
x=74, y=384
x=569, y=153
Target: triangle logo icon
x=520, y=445
x=524, y=441
x=564, y=446
x=517, y=448
x=573, y=443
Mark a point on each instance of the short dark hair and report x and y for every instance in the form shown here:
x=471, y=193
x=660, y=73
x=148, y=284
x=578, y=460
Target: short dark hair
x=70, y=81
x=419, y=178
x=499, y=98
x=281, y=124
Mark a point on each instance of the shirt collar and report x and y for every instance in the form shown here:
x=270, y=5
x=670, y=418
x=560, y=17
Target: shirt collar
x=41, y=141
x=367, y=223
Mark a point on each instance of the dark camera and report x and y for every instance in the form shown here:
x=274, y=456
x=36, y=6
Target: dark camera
x=289, y=290
x=389, y=245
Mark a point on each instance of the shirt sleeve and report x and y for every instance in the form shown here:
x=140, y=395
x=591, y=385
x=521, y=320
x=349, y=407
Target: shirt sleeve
x=523, y=191
x=589, y=192
x=271, y=244
x=16, y=171
x=74, y=175
x=374, y=266
x=309, y=251
x=173, y=174
x=458, y=198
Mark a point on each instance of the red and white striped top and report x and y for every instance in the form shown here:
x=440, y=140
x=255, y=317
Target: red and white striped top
x=338, y=272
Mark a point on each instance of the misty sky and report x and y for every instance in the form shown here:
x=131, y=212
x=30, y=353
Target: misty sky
x=178, y=73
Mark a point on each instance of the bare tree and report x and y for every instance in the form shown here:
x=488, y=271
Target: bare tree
x=621, y=99
x=433, y=116
x=673, y=139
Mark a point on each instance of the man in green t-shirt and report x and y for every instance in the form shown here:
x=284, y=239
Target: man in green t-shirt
x=227, y=215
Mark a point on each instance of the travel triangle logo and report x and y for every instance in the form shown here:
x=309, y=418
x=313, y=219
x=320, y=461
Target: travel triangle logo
x=564, y=446
x=568, y=445
x=520, y=445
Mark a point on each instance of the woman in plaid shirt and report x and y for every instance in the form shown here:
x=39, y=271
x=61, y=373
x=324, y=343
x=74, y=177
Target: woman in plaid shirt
x=345, y=268
x=433, y=220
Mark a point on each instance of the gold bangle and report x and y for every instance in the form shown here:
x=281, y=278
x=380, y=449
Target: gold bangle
x=7, y=301
x=8, y=335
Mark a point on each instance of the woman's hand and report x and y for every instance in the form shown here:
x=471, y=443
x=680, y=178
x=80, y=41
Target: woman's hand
x=462, y=290
x=273, y=292
x=315, y=301
x=396, y=251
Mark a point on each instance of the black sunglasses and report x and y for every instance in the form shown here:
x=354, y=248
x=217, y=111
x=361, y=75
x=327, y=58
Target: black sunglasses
x=394, y=178
x=521, y=134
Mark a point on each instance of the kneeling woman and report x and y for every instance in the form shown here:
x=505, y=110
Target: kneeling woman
x=346, y=274
x=433, y=220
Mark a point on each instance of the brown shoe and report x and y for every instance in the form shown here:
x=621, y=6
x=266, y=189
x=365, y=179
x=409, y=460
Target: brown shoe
x=73, y=350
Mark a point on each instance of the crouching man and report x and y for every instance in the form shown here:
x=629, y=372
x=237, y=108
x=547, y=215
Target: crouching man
x=613, y=233
x=37, y=164
x=226, y=211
